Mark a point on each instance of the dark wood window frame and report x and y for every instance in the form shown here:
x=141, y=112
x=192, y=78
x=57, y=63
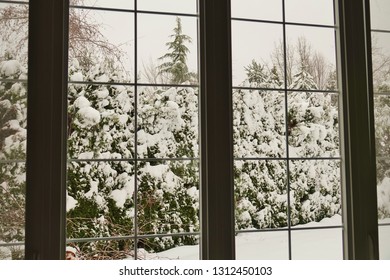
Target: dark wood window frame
x=46, y=140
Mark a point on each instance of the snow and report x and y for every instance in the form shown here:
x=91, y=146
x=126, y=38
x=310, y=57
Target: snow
x=121, y=195
x=88, y=116
x=82, y=102
x=70, y=202
x=5, y=253
x=384, y=195
x=306, y=244
x=10, y=68
x=77, y=77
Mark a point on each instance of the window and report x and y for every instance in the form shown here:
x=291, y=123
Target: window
x=133, y=169
x=286, y=130
x=13, y=123
x=380, y=56
x=280, y=155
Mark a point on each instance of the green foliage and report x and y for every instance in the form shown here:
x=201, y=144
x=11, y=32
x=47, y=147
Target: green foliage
x=174, y=64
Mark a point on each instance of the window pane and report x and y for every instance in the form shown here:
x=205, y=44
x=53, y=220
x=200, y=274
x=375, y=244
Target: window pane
x=100, y=121
x=320, y=244
x=381, y=61
x=254, y=9
x=160, y=58
x=178, y=247
x=259, y=124
x=262, y=246
x=101, y=250
x=315, y=192
x=384, y=241
x=167, y=122
x=313, y=125
x=309, y=11
x=101, y=46
x=168, y=198
x=261, y=198
x=100, y=199
x=255, y=59
x=12, y=210
x=13, y=116
x=311, y=58
x=380, y=10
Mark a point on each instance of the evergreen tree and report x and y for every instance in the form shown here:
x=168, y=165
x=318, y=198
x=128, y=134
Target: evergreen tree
x=256, y=74
x=174, y=63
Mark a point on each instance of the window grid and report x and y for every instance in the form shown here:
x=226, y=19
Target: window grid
x=13, y=161
x=136, y=160
x=288, y=159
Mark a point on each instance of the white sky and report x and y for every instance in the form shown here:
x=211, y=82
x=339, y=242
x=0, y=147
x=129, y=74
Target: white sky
x=249, y=40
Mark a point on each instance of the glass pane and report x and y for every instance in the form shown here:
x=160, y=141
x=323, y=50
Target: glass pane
x=11, y=252
x=381, y=61
x=100, y=121
x=100, y=199
x=254, y=9
x=101, y=250
x=260, y=194
x=382, y=125
x=320, y=244
x=383, y=181
x=167, y=122
x=380, y=10
x=168, y=198
x=169, y=248
x=167, y=62
x=119, y=4
x=309, y=11
x=315, y=192
x=12, y=210
x=176, y=6
x=262, y=246
x=313, y=125
x=257, y=62
x=259, y=124
x=13, y=118
x=311, y=58
x=101, y=46
x=13, y=40
x=384, y=241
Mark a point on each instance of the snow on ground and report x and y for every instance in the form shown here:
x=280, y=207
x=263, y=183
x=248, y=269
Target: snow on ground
x=306, y=244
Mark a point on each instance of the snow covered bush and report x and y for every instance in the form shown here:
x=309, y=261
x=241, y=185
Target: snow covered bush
x=101, y=194
x=260, y=133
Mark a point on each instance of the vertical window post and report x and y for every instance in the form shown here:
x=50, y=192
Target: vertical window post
x=216, y=131
x=359, y=174
x=46, y=138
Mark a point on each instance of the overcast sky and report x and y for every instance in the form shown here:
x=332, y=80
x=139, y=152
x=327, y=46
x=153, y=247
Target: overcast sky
x=249, y=40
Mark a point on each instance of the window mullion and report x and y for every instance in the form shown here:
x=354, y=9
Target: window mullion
x=359, y=172
x=46, y=138
x=217, y=190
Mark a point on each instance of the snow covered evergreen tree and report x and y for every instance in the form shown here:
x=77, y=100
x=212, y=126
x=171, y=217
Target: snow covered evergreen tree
x=174, y=63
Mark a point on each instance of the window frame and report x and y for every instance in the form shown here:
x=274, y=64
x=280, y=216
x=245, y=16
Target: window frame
x=47, y=119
